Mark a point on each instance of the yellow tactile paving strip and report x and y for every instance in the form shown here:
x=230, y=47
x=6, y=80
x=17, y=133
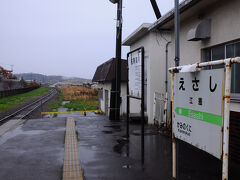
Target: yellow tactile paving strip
x=71, y=169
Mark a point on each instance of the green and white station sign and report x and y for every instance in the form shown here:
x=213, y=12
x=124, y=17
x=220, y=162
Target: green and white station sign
x=198, y=109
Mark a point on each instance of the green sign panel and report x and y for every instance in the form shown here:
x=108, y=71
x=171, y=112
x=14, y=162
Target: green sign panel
x=198, y=115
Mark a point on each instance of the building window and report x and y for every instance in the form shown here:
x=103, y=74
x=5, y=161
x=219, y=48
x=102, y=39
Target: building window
x=222, y=52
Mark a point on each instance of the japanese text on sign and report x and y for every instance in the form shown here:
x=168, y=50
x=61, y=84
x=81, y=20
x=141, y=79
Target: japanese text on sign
x=198, y=98
x=135, y=73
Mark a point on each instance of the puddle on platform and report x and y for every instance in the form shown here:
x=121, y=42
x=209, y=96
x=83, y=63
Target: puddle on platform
x=94, y=148
x=115, y=127
x=17, y=132
x=126, y=166
x=122, y=147
x=118, y=148
x=90, y=137
x=107, y=132
x=146, y=132
x=87, y=154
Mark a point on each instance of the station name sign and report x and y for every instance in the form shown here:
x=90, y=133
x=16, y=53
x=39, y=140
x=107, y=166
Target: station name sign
x=198, y=109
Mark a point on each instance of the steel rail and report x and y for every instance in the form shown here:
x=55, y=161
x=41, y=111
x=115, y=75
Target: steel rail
x=42, y=100
x=38, y=104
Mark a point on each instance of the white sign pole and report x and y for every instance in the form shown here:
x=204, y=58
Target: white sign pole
x=226, y=120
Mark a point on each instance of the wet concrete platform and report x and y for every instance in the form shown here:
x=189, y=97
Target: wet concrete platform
x=104, y=156
x=34, y=150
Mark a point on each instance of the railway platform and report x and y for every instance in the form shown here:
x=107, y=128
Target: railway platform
x=90, y=147
x=33, y=150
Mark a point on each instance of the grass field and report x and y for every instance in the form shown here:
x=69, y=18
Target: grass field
x=83, y=104
x=77, y=92
x=12, y=101
x=80, y=98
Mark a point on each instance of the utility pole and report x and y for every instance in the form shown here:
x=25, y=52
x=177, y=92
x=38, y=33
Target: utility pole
x=156, y=9
x=116, y=91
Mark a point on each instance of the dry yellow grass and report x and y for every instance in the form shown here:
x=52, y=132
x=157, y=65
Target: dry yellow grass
x=77, y=92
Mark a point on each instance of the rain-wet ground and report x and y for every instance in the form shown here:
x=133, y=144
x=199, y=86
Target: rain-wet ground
x=105, y=155
x=34, y=150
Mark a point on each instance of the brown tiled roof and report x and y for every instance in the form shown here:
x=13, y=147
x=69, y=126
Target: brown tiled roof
x=106, y=71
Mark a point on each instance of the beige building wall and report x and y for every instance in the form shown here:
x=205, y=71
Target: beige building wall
x=154, y=44
x=157, y=67
x=225, y=27
x=107, y=86
x=104, y=86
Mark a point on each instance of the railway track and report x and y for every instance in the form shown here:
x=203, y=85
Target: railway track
x=28, y=109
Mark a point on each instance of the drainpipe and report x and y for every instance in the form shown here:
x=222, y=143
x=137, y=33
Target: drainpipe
x=166, y=76
x=166, y=87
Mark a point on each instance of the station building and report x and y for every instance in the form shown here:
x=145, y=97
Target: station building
x=105, y=79
x=209, y=30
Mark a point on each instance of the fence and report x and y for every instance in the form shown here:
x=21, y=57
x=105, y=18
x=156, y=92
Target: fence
x=12, y=92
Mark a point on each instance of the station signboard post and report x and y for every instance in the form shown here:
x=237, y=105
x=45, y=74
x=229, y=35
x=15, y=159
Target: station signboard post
x=135, y=73
x=135, y=88
x=201, y=108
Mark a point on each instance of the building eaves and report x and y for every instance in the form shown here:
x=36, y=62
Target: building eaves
x=106, y=71
x=186, y=4
x=102, y=71
x=137, y=34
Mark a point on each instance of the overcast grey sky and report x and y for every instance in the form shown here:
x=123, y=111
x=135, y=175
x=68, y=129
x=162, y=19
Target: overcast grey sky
x=66, y=37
